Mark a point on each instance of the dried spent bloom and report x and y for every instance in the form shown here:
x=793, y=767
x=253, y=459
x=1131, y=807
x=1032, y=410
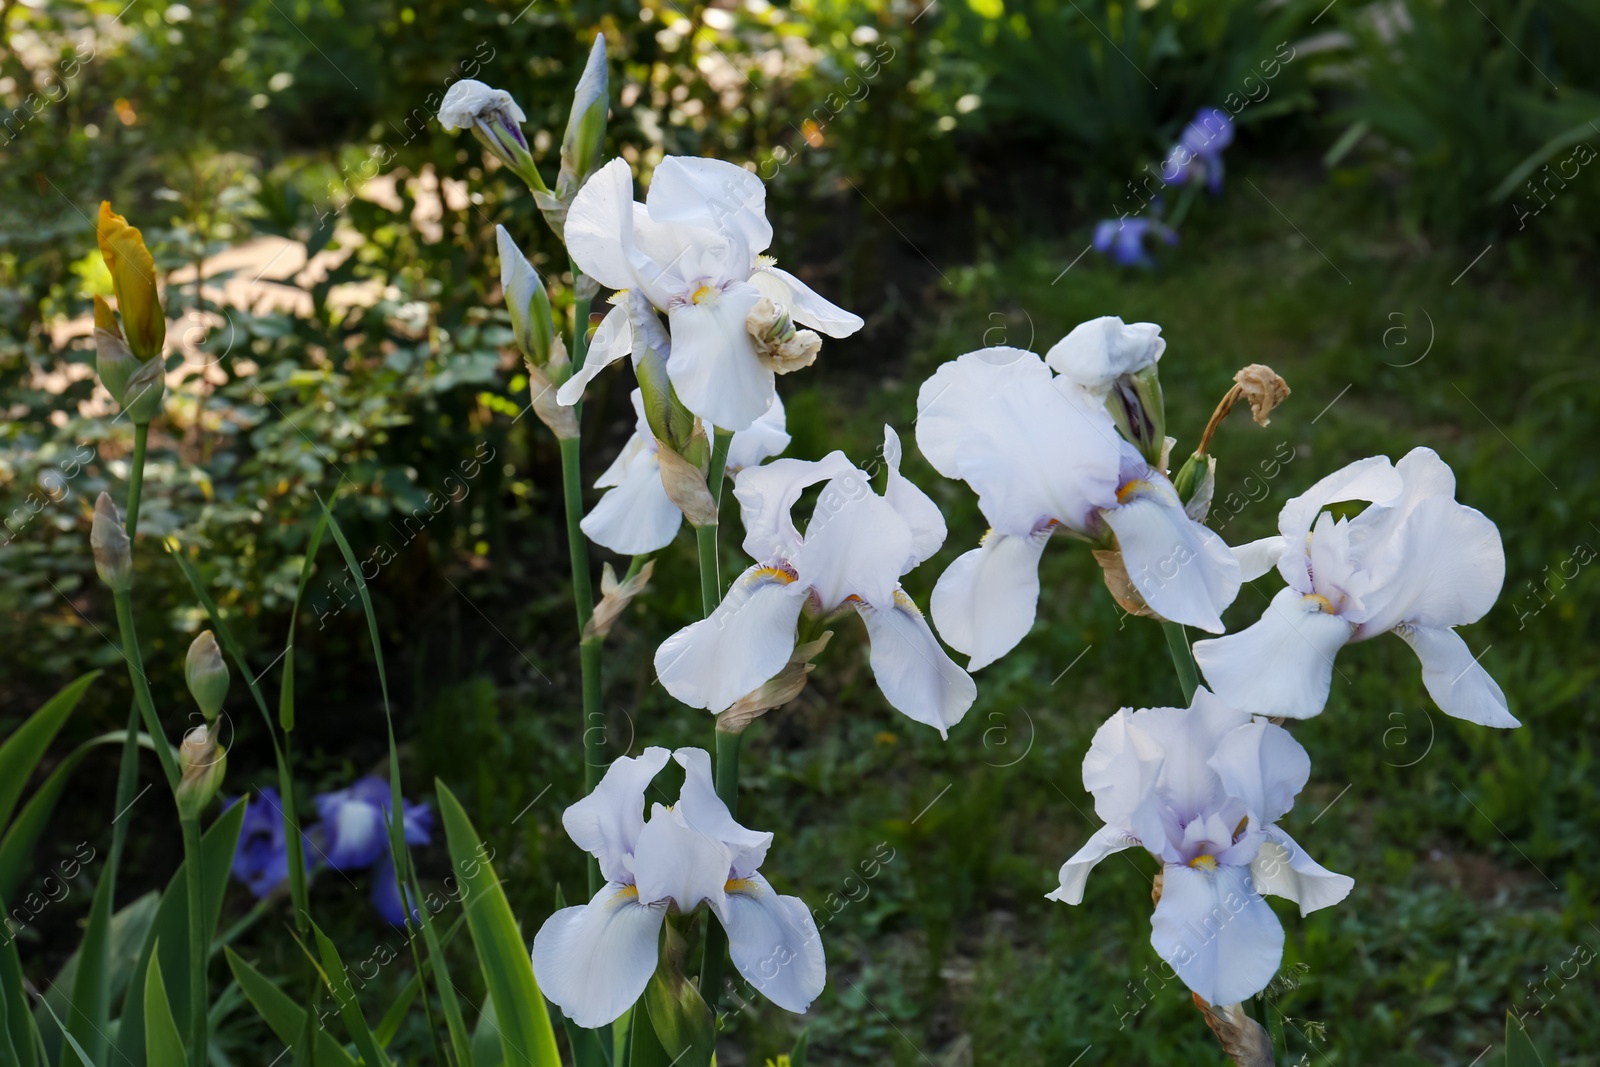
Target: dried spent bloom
x=1263, y=388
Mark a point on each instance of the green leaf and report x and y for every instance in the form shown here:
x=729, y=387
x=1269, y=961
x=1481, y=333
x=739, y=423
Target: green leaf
x=678, y=1014
x=281, y=1013
x=644, y=1047
x=72, y=1042
x=21, y=752
x=459, y=1042
x=1520, y=1049
x=338, y=982
x=525, y=1031
x=486, y=1050
x=171, y=930
x=163, y=1046
x=16, y=849
x=797, y=1058
x=18, y=1035
x=286, y=691
x=129, y=927
x=389, y=1025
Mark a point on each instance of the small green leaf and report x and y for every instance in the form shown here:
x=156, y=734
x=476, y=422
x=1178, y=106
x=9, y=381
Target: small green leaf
x=281, y=1013
x=1520, y=1049
x=171, y=929
x=163, y=1046
x=338, y=982
x=678, y=1013
x=525, y=1031
x=21, y=752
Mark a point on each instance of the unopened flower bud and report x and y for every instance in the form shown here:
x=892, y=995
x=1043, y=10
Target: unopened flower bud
x=1196, y=483
x=113, y=362
x=528, y=301
x=584, y=141
x=206, y=674
x=202, y=763
x=496, y=121
x=146, y=389
x=113, y=553
x=133, y=277
x=780, y=346
x=1115, y=362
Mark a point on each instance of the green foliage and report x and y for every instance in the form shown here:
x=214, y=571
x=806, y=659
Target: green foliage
x=526, y=1035
x=163, y=1045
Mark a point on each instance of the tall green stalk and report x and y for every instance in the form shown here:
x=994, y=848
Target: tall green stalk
x=1182, y=659
x=593, y=725
x=194, y=877
x=726, y=744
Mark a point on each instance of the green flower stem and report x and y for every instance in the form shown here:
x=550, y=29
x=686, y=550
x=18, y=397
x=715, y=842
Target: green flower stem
x=594, y=735
x=198, y=948
x=727, y=744
x=141, y=689
x=1182, y=659
x=128, y=769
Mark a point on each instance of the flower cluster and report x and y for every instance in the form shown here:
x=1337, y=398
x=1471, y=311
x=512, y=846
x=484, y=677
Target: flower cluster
x=594, y=960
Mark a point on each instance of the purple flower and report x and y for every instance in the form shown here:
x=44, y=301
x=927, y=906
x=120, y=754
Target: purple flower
x=261, y=862
x=1198, y=153
x=1124, y=239
x=355, y=837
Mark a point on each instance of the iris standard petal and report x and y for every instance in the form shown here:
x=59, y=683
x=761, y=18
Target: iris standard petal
x=675, y=861
x=856, y=544
x=946, y=400
x=1455, y=679
x=1217, y=932
x=1282, y=664
x=746, y=640
x=599, y=226
x=1264, y=766
x=916, y=675
x=767, y=497
x=774, y=943
x=713, y=194
x=594, y=961
x=984, y=603
x=704, y=811
x=607, y=822
x=1448, y=568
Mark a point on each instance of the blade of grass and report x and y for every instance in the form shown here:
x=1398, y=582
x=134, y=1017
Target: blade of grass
x=396, y=826
x=460, y=1042
x=24, y=748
